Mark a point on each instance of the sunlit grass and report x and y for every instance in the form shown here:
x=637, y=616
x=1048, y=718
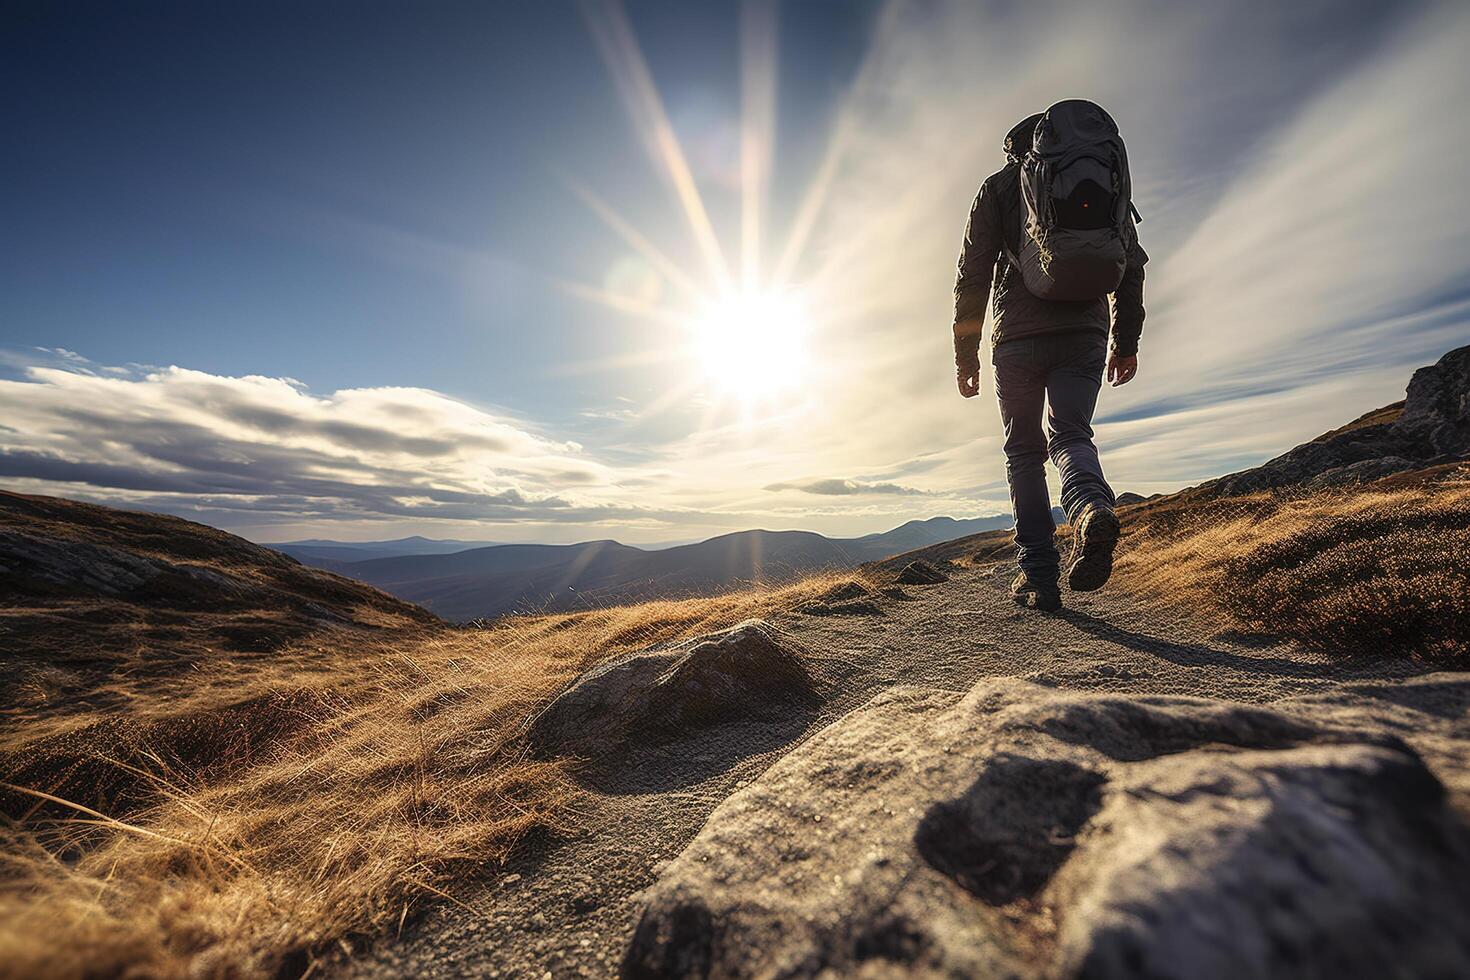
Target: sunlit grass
x=316, y=796
x=1352, y=572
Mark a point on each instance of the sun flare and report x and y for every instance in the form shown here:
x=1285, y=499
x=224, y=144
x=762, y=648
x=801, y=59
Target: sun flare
x=743, y=328
x=753, y=345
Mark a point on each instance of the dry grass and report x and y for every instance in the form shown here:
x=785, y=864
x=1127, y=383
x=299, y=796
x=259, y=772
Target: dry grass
x=1383, y=570
x=241, y=818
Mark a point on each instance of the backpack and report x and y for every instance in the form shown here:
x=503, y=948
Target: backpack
x=1076, y=205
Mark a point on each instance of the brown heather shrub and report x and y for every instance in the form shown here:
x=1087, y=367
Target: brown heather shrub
x=239, y=818
x=1368, y=572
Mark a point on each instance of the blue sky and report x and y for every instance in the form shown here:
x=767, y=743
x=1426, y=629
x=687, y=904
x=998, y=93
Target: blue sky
x=362, y=270
x=237, y=188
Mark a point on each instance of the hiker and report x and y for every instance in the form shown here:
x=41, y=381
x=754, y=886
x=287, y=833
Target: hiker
x=1055, y=229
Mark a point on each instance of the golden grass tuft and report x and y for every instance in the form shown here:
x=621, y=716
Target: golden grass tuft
x=245, y=816
x=1358, y=572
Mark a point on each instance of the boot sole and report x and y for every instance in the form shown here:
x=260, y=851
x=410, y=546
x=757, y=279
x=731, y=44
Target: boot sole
x=1031, y=600
x=1097, y=536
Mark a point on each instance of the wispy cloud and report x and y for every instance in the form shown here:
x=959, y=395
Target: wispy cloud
x=838, y=487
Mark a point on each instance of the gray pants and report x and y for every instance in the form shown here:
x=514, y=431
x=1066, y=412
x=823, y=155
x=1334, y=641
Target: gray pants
x=1062, y=374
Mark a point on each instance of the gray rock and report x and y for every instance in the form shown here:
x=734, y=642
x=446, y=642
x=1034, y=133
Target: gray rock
x=1022, y=831
x=920, y=572
x=1322, y=860
x=654, y=696
x=1437, y=405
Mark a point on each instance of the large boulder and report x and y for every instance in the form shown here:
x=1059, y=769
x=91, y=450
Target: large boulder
x=1023, y=831
x=748, y=671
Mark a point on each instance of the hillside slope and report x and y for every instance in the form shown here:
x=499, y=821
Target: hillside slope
x=1423, y=439
x=100, y=590
x=244, y=763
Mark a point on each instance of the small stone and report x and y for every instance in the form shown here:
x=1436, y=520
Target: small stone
x=920, y=572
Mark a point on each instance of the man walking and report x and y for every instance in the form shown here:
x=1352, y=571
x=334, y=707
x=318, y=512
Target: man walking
x=1054, y=228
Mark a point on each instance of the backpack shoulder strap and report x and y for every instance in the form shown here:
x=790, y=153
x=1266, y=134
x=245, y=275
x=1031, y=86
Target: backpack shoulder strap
x=1011, y=220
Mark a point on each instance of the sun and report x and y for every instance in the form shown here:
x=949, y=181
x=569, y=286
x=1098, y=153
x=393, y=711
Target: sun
x=742, y=323
x=753, y=345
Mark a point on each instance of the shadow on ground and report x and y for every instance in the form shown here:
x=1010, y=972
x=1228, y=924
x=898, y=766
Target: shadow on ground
x=689, y=761
x=1199, y=654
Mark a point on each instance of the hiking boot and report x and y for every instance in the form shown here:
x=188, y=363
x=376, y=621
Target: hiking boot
x=1043, y=595
x=1093, y=539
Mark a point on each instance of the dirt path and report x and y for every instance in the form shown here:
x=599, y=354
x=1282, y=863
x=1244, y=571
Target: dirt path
x=570, y=910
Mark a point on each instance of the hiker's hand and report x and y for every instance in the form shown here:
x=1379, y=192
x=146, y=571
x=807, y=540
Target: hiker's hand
x=1122, y=369
x=967, y=356
x=968, y=378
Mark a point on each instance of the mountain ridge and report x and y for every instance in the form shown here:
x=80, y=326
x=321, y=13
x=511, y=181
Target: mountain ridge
x=498, y=579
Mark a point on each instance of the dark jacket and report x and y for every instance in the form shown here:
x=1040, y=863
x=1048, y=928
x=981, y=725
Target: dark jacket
x=995, y=219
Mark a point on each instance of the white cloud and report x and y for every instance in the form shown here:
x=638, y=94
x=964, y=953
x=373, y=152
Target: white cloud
x=840, y=487
x=268, y=446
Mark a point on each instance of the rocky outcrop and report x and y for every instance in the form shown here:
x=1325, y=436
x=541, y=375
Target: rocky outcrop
x=1023, y=831
x=652, y=696
x=36, y=564
x=920, y=572
x=1437, y=406
x=1433, y=427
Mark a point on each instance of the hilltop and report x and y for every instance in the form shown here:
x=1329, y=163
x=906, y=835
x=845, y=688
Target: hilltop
x=1250, y=756
x=88, y=589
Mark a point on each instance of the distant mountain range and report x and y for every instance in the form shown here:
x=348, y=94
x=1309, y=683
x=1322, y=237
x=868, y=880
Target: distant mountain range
x=468, y=580
x=323, y=553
